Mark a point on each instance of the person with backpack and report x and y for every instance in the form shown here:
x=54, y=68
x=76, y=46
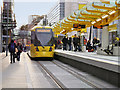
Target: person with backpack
x=75, y=42
x=12, y=46
x=20, y=49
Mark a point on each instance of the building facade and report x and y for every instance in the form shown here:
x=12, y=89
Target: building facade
x=62, y=9
x=33, y=20
x=8, y=22
x=56, y=13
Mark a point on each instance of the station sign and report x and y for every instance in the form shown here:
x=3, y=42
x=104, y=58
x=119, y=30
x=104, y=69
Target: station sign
x=99, y=26
x=43, y=30
x=79, y=26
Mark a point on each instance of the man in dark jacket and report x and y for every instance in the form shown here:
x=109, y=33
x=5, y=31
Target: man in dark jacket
x=11, y=48
x=75, y=42
x=69, y=43
x=89, y=47
x=79, y=43
x=65, y=41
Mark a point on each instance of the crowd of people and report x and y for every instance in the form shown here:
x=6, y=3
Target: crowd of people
x=75, y=43
x=69, y=43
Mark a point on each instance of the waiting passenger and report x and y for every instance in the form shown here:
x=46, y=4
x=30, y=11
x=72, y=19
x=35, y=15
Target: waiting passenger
x=64, y=40
x=79, y=44
x=89, y=47
x=94, y=42
x=75, y=42
x=20, y=49
x=12, y=46
x=59, y=44
x=69, y=43
x=85, y=41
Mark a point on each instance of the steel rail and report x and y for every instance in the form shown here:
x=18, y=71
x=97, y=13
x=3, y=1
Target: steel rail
x=51, y=76
x=76, y=74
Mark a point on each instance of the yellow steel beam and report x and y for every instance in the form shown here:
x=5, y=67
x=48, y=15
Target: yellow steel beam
x=73, y=17
x=77, y=21
x=85, y=18
x=104, y=1
x=109, y=19
x=67, y=21
x=90, y=15
x=67, y=25
x=113, y=27
x=83, y=22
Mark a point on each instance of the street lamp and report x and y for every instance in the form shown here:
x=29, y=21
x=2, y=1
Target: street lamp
x=7, y=29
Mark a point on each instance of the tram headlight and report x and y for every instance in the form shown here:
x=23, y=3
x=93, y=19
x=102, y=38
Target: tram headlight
x=37, y=49
x=50, y=49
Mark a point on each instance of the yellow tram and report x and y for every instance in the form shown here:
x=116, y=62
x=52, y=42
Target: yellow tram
x=42, y=42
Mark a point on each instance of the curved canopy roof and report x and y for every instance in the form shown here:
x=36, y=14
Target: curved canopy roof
x=94, y=13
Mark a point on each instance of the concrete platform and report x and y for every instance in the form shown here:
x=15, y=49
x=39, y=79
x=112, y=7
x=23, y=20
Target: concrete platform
x=23, y=74
x=104, y=67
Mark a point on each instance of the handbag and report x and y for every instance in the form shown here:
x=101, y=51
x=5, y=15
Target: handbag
x=16, y=50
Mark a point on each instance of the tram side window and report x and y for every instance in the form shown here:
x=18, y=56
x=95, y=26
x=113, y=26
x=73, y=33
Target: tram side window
x=36, y=41
x=32, y=37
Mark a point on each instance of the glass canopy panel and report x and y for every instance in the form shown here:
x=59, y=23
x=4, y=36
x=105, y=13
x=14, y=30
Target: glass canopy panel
x=112, y=4
x=85, y=12
x=90, y=7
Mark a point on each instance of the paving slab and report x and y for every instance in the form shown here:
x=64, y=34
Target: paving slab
x=23, y=74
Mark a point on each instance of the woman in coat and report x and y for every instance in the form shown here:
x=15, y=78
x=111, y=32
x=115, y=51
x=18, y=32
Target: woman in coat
x=20, y=49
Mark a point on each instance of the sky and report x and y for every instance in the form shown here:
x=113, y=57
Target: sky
x=24, y=8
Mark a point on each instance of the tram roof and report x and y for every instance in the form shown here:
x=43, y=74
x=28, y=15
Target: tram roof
x=41, y=27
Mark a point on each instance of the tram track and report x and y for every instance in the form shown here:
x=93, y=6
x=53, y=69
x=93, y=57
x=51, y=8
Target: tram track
x=79, y=75
x=72, y=72
x=60, y=85
x=76, y=74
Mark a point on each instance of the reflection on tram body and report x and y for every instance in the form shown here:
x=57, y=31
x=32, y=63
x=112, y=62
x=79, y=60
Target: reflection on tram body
x=42, y=42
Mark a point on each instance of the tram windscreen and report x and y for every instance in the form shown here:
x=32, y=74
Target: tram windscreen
x=44, y=37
